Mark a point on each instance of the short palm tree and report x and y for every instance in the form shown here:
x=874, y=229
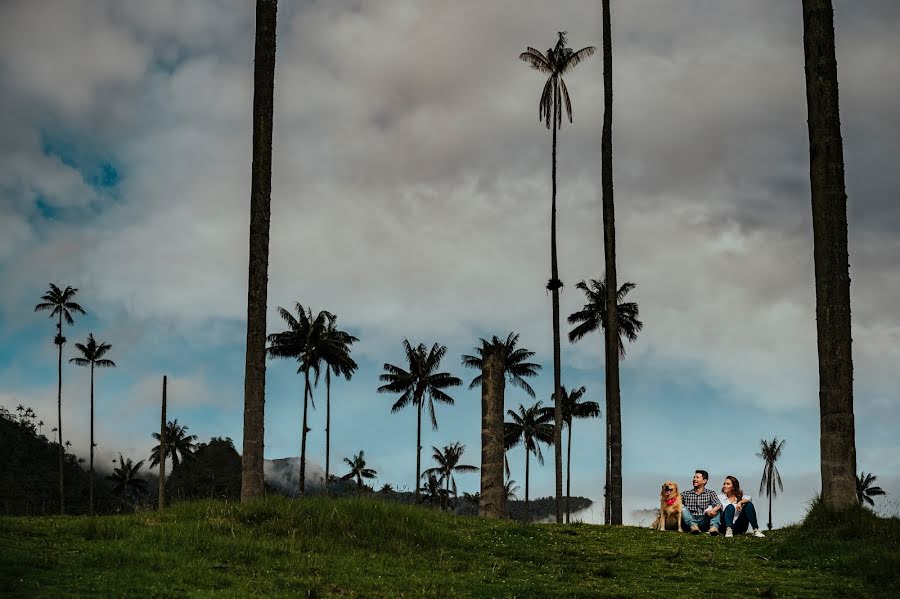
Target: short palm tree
x=510, y=488
x=516, y=367
x=305, y=341
x=558, y=61
x=60, y=304
x=358, y=471
x=92, y=355
x=447, y=460
x=126, y=482
x=770, y=452
x=864, y=489
x=180, y=446
x=530, y=427
x=573, y=407
x=433, y=492
x=336, y=355
x=421, y=381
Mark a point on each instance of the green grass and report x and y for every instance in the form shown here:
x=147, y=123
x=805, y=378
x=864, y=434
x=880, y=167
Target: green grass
x=365, y=548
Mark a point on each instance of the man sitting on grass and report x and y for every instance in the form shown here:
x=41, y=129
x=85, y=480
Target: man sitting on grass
x=701, y=506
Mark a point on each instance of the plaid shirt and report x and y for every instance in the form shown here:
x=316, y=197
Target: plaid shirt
x=696, y=503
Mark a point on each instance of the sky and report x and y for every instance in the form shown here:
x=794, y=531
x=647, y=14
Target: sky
x=411, y=197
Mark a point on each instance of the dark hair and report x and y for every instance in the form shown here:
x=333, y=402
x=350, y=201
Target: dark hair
x=702, y=473
x=736, y=485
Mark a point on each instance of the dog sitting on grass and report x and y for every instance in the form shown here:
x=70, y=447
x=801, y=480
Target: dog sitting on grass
x=669, y=516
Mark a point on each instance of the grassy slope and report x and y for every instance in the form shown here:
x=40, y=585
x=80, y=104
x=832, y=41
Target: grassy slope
x=320, y=547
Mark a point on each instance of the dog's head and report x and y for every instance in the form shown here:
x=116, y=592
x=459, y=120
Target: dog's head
x=669, y=490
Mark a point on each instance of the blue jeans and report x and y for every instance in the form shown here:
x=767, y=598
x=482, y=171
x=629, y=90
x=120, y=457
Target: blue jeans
x=703, y=521
x=746, y=518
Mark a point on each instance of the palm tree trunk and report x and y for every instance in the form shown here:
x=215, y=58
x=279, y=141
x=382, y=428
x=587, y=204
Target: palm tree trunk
x=327, y=424
x=62, y=490
x=91, y=459
x=832, y=270
x=557, y=361
x=527, y=511
x=606, y=510
x=492, y=502
x=252, y=480
x=303, y=436
x=613, y=408
x=162, y=448
x=568, y=473
x=770, y=509
x=418, y=449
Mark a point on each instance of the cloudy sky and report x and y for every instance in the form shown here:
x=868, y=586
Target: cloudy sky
x=410, y=196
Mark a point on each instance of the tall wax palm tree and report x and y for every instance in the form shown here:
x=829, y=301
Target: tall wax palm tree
x=865, y=490
x=420, y=382
x=590, y=318
x=60, y=304
x=127, y=483
x=306, y=341
x=358, y=470
x=530, y=427
x=558, y=61
x=336, y=355
x=447, y=460
x=252, y=483
x=771, y=479
x=830, y=253
x=180, y=446
x=573, y=407
x=92, y=355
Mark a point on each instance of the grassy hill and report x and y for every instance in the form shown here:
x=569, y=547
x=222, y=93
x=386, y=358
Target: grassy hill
x=323, y=547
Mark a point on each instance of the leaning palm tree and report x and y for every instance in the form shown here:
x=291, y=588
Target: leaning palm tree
x=421, y=381
x=92, y=355
x=864, y=489
x=447, y=460
x=358, y=470
x=830, y=255
x=770, y=452
x=60, y=304
x=180, y=446
x=306, y=341
x=336, y=355
x=573, y=407
x=252, y=482
x=592, y=317
x=126, y=483
x=558, y=61
x=530, y=427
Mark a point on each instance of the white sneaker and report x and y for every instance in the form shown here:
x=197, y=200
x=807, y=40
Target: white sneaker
x=728, y=533
x=758, y=534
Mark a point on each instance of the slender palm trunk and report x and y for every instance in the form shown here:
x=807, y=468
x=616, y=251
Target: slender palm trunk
x=91, y=459
x=492, y=502
x=62, y=490
x=613, y=407
x=557, y=361
x=832, y=270
x=527, y=511
x=606, y=511
x=568, y=472
x=306, y=392
x=327, y=425
x=418, y=448
x=770, y=509
x=162, y=447
x=252, y=480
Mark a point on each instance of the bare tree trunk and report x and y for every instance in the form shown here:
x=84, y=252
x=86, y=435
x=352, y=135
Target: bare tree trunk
x=62, y=490
x=327, y=425
x=555, y=284
x=162, y=447
x=568, y=473
x=492, y=502
x=418, y=447
x=829, y=211
x=306, y=392
x=613, y=407
x=91, y=458
x=252, y=479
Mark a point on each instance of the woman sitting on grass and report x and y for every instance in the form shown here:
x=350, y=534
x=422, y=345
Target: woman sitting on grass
x=739, y=513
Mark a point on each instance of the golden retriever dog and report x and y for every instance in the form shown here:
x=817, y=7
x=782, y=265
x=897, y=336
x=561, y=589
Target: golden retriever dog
x=669, y=516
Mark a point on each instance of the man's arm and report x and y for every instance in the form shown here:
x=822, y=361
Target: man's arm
x=714, y=504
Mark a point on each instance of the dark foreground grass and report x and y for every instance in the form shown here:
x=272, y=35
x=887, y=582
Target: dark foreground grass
x=365, y=548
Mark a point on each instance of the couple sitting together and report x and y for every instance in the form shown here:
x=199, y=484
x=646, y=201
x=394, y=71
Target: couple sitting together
x=700, y=509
